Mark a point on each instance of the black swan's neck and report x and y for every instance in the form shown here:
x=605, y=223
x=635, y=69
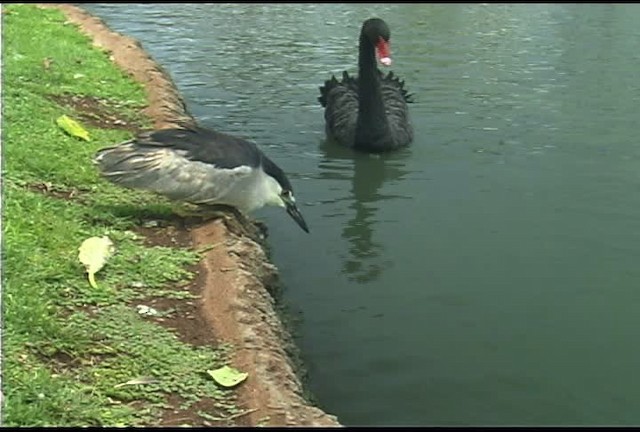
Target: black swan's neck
x=372, y=126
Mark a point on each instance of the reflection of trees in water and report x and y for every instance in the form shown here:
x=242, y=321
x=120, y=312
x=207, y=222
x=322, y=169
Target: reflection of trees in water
x=369, y=174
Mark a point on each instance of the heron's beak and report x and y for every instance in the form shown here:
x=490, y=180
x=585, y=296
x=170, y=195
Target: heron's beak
x=293, y=211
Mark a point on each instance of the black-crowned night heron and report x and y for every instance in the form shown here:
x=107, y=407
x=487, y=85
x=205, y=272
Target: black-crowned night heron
x=200, y=166
x=368, y=112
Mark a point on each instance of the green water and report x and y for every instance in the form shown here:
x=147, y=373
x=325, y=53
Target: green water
x=490, y=273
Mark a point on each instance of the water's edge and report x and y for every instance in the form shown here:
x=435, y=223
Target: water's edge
x=237, y=277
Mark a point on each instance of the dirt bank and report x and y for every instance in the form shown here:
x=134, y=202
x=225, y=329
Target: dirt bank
x=235, y=276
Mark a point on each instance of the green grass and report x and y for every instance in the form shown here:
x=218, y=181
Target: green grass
x=67, y=345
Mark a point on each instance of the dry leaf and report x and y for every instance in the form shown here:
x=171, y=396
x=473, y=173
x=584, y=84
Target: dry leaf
x=94, y=253
x=146, y=310
x=138, y=381
x=227, y=376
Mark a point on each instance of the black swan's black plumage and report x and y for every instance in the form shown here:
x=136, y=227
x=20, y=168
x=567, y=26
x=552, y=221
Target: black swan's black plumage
x=368, y=112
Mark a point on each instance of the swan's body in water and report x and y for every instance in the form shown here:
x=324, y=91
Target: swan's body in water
x=370, y=112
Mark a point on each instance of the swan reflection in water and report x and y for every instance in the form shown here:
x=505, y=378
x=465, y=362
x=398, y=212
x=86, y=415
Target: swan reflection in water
x=365, y=262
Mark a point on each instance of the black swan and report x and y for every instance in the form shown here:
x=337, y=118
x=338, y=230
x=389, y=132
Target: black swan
x=200, y=166
x=370, y=112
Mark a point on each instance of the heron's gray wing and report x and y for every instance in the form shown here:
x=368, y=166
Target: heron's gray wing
x=168, y=171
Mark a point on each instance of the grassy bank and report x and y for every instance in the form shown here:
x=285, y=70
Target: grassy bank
x=68, y=348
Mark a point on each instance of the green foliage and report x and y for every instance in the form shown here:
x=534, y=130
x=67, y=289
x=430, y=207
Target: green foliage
x=34, y=147
x=67, y=345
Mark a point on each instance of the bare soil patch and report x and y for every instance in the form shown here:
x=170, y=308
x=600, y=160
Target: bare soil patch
x=54, y=191
x=100, y=113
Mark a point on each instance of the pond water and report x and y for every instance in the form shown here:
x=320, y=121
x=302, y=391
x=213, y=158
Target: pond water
x=488, y=274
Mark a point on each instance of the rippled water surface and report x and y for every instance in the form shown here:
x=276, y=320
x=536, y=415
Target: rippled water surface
x=490, y=273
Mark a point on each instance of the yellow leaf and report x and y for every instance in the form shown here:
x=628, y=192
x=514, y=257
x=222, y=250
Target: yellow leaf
x=227, y=376
x=72, y=127
x=137, y=381
x=94, y=253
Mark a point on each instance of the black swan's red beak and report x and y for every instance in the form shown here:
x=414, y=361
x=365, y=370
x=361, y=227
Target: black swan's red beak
x=383, y=50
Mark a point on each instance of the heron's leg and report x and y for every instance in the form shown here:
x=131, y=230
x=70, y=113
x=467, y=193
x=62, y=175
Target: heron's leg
x=241, y=223
x=191, y=211
x=262, y=227
x=216, y=211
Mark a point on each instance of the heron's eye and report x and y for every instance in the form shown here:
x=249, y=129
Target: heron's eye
x=286, y=193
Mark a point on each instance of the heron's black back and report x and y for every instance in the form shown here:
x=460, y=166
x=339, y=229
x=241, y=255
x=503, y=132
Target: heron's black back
x=205, y=145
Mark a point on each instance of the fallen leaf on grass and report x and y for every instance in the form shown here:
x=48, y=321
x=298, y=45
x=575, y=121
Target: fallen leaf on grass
x=137, y=381
x=94, y=253
x=227, y=376
x=72, y=127
x=146, y=310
